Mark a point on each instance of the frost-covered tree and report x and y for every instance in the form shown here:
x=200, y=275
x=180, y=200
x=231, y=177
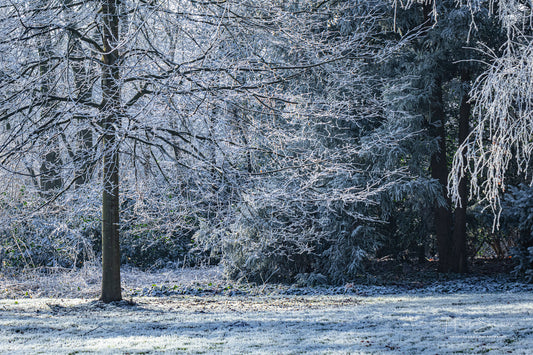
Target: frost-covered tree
x=237, y=119
x=499, y=146
x=442, y=66
x=40, y=34
x=164, y=85
x=313, y=206
x=502, y=108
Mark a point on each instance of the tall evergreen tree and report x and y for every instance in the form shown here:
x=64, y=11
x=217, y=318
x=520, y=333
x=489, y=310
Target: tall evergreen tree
x=439, y=66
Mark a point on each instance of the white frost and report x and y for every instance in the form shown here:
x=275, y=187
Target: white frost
x=434, y=324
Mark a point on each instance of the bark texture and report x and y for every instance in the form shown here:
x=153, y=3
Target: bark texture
x=111, y=109
x=459, y=250
x=439, y=172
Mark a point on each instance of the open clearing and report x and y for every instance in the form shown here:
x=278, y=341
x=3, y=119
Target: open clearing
x=406, y=324
x=195, y=311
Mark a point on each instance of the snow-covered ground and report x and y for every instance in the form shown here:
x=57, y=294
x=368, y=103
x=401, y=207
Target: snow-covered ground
x=462, y=317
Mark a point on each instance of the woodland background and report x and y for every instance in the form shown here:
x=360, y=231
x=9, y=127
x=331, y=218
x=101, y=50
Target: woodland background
x=288, y=141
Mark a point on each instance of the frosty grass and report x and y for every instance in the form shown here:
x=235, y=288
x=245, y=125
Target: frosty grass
x=199, y=313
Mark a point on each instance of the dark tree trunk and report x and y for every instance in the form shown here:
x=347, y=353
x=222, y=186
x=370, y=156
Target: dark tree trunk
x=110, y=224
x=111, y=110
x=84, y=155
x=439, y=171
x=51, y=180
x=451, y=242
x=459, y=251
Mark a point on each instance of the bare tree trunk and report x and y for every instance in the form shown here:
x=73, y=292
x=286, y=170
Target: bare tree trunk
x=111, y=109
x=51, y=179
x=84, y=156
x=459, y=250
x=50, y=175
x=439, y=164
x=439, y=171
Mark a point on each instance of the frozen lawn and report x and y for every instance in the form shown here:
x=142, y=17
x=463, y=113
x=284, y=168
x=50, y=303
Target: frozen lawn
x=473, y=323
x=401, y=323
